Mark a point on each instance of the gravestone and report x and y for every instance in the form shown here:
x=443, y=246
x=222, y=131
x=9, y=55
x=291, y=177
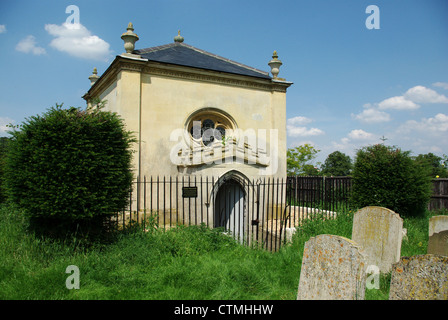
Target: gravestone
x=438, y=235
x=438, y=243
x=437, y=224
x=379, y=231
x=333, y=268
x=421, y=277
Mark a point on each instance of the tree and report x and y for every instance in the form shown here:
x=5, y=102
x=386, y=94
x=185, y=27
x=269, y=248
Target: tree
x=435, y=163
x=70, y=167
x=337, y=164
x=388, y=177
x=298, y=159
x=310, y=170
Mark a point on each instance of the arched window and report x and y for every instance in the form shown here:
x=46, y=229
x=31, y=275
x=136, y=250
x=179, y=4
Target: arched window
x=208, y=126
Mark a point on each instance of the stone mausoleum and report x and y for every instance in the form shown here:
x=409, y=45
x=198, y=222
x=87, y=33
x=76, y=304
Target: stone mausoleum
x=196, y=113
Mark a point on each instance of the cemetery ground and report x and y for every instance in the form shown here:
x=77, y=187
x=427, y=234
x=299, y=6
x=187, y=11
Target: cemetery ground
x=184, y=263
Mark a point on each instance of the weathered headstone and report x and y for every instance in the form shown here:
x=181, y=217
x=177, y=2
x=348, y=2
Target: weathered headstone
x=438, y=243
x=422, y=277
x=437, y=224
x=333, y=268
x=438, y=235
x=379, y=231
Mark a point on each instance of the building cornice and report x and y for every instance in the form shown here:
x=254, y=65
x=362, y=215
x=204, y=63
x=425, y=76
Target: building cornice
x=210, y=76
x=180, y=72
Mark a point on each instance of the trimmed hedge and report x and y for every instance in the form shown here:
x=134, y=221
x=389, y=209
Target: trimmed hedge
x=70, y=165
x=388, y=177
x=4, y=141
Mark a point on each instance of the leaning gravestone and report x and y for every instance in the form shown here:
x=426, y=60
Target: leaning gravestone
x=379, y=232
x=333, y=268
x=422, y=277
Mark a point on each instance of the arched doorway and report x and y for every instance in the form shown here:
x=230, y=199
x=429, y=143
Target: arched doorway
x=229, y=211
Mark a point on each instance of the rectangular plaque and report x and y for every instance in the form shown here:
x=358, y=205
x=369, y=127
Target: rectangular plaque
x=189, y=192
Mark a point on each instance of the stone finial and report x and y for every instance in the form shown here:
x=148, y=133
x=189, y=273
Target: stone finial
x=178, y=38
x=275, y=65
x=94, y=76
x=129, y=38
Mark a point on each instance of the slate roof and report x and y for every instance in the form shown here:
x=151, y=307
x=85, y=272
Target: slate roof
x=178, y=53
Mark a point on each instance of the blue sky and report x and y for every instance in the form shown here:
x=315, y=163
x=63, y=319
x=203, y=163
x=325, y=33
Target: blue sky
x=352, y=85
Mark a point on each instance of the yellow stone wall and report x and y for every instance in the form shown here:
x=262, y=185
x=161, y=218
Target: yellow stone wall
x=155, y=101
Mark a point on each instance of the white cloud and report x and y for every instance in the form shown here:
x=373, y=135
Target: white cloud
x=424, y=135
x=443, y=85
x=411, y=99
x=2, y=28
x=297, y=121
x=355, y=136
x=28, y=45
x=372, y=115
x=419, y=135
x=360, y=135
x=78, y=41
x=397, y=103
x=421, y=94
x=354, y=140
x=295, y=128
x=437, y=125
x=303, y=131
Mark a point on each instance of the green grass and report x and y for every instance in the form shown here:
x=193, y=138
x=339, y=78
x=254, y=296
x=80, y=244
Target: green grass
x=183, y=263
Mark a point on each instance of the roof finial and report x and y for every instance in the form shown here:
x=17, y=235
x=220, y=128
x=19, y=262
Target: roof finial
x=129, y=38
x=178, y=38
x=275, y=65
x=94, y=77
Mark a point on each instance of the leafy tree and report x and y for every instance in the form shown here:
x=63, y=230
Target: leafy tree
x=435, y=163
x=445, y=161
x=337, y=164
x=298, y=159
x=310, y=170
x=70, y=167
x=388, y=177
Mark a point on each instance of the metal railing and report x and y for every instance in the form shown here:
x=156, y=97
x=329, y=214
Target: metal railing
x=256, y=212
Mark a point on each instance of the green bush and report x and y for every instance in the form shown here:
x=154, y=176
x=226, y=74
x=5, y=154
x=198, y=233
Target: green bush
x=388, y=177
x=3, y=147
x=69, y=165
